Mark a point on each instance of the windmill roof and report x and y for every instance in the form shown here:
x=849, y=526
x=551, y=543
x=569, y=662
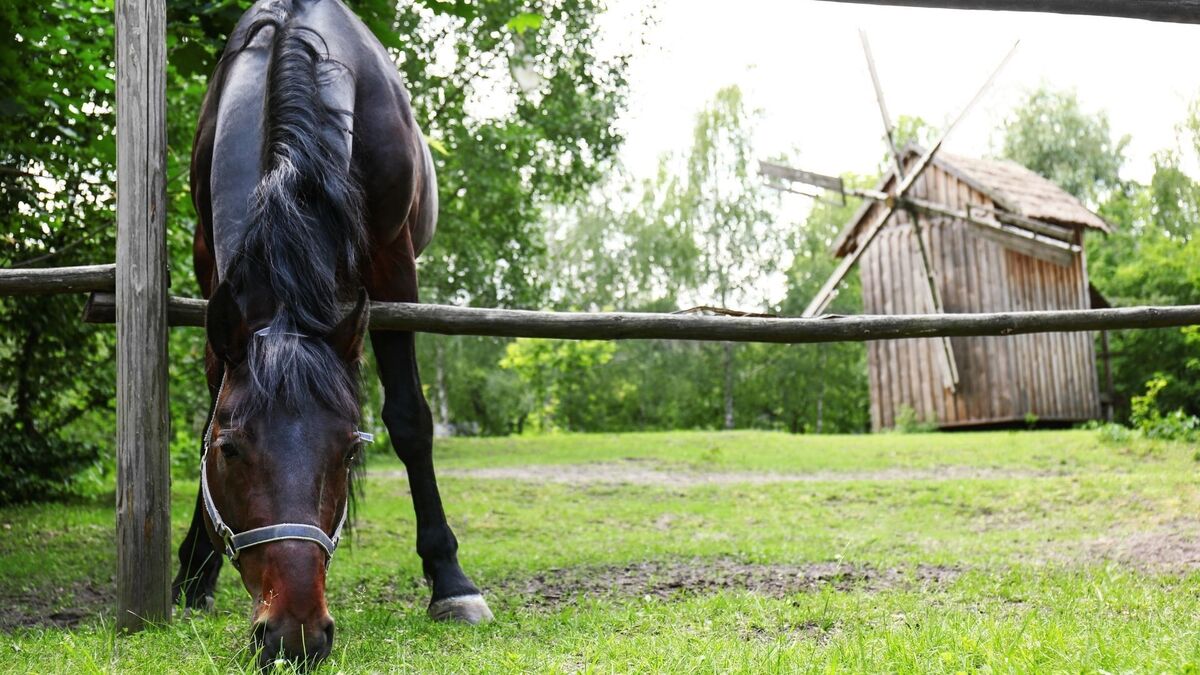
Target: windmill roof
x=1012, y=187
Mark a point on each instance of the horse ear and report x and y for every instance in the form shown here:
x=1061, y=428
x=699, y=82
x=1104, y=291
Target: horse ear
x=347, y=337
x=226, y=327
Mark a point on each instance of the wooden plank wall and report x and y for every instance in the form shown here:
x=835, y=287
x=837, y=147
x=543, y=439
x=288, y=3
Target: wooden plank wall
x=1002, y=379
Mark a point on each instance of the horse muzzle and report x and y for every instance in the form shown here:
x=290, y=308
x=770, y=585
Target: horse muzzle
x=302, y=644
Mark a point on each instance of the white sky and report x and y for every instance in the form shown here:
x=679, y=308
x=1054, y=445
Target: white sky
x=801, y=63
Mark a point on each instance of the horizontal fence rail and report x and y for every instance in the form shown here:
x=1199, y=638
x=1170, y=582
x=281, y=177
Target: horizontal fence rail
x=1175, y=11
x=449, y=320
x=49, y=280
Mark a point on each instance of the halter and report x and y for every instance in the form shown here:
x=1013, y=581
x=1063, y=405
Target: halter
x=235, y=543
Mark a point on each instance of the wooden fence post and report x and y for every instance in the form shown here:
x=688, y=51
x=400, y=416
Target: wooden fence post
x=143, y=461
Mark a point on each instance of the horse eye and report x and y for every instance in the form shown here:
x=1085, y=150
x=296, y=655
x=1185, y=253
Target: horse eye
x=352, y=453
x=229, y=449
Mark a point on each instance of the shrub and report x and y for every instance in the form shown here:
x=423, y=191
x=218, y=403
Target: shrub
x=907, y=422
x=1148, y=422
x=1151, y=422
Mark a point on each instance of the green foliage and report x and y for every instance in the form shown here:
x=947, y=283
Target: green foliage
x=56, y=171
x=561, y=376
x=913, y=129
x=1050, y=133
x=522, y=110
x=499, y=167
x=702, y=231
x=1151, y=422
x=907, y=422
x=719, y=204
x=832, y=395
x=1113, y=434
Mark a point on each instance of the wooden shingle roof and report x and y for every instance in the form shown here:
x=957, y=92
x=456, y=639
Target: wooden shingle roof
x=1012, y=187
x=1021, y=191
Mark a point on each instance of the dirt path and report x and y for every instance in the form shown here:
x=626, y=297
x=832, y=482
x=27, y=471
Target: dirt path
x=1170, y=548
x=665, y=579
x=642, y=473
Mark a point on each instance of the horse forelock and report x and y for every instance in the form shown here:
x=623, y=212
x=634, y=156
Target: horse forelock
x=292, y=372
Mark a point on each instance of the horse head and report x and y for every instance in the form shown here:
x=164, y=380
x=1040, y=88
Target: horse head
x=276, y=471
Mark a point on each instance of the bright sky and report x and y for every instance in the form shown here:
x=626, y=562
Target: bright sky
x=801, y=63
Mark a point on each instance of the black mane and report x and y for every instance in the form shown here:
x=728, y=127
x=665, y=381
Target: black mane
x=306, y=233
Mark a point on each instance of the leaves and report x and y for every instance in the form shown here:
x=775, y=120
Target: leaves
x=57, y=167
x=1049, y=133
x=525, y=21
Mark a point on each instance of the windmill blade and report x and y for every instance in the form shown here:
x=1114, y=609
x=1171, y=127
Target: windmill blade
x=827, y=292
x=926, y=158
x=949, y=365
x=778, y=176
x=825, y=295
x=888, y=128
x=781, y=172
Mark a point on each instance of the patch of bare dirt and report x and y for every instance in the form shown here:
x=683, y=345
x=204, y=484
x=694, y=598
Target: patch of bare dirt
x=61, y=607
x=637, y=473
x=804, y=631
x=666, y=579
x=1172, y=548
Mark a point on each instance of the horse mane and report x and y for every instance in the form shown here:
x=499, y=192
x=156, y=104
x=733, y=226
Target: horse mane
x=306, y=233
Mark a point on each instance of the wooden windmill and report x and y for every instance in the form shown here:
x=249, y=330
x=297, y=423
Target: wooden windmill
x=940, y=233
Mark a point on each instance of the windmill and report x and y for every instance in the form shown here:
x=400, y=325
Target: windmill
x=897, y=198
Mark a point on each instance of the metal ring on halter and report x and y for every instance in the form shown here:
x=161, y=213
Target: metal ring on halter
x=235, y=543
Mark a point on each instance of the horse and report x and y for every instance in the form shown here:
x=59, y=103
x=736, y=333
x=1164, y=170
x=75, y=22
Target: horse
x=314, y=189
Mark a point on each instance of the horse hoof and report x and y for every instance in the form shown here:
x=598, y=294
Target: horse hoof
x=472, y=609
x=205, y=606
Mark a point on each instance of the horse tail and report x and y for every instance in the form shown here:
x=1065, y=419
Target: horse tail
x=307, y=226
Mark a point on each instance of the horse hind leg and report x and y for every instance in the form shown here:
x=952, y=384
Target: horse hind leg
x=199, y=563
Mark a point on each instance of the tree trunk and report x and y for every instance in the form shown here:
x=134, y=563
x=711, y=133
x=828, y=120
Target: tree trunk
x=728, y=385
x=442, y=428
x=821, y=388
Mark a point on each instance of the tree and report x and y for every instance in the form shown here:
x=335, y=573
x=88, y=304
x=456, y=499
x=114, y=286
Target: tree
x=57, y=170
x=836, y=394
x=722, y=206
x=521, y=110
x=1049, y=133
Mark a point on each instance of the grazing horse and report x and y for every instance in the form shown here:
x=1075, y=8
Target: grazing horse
x=314, y=186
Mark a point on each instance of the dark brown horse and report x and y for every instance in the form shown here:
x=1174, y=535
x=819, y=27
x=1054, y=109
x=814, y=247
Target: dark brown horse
x=312, y=182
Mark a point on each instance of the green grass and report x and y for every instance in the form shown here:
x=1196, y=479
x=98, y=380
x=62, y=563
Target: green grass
x=1066, y=554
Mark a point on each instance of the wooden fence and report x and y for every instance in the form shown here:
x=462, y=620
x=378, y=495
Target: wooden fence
x=451, y=320
x=133, y=293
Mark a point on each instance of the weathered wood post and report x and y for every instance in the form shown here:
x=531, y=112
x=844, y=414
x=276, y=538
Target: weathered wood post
x=143, y=462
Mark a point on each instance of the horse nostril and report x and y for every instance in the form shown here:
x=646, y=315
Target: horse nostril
x=259, y=633
x=265, y=640
x=328, y=630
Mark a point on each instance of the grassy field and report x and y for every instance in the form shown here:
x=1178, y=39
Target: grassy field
x=703, y=552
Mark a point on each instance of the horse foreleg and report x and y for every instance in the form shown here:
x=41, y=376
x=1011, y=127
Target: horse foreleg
x=410, y=424
x=199, y=566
